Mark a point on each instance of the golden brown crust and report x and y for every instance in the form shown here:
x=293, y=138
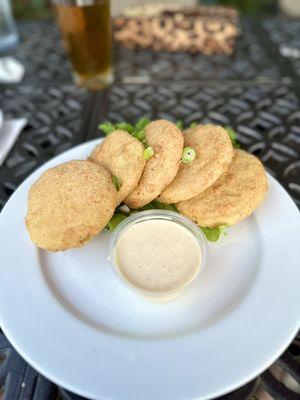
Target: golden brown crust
x=233, y=197
x=214, y=153
x=122, y=155
x=167, y=142
x=70, y=204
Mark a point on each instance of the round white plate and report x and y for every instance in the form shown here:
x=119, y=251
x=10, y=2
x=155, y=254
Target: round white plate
x=73, y=321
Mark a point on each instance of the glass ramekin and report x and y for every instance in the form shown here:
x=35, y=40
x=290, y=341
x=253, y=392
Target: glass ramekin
x=157, y=296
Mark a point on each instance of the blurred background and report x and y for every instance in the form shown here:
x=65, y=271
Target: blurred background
x=41, y=9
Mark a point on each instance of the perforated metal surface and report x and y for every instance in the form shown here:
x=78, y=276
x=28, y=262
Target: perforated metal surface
x=256, y=92
x=42, y=54
x=284, y=34
x=54, y=117
x=44, y=58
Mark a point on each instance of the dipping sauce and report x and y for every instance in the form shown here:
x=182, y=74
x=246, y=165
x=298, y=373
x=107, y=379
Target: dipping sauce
x=160, y=257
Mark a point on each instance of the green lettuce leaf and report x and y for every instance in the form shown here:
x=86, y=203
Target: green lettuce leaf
x=141, y=124
x=136, y=130
x=179, y=124
x=107, y=127
x=124, y=126
x=213, y=234
x=115, y=220
x=116, y=181
x=156, y=205
x=233, y=138
x=118, y=217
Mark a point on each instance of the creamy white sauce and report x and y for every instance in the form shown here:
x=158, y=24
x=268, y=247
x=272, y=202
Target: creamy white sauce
x=158, y=255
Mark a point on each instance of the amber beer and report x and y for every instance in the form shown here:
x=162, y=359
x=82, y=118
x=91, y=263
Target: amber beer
x=85, y=26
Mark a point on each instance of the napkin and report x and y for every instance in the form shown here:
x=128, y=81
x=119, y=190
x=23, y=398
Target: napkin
x=11, y=70
x=9, y=133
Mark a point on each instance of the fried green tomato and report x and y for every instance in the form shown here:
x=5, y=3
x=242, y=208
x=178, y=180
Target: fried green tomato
x=70, y=204
x=166, y=140
x=233, y=197
x=122, y=155
x=214, y=153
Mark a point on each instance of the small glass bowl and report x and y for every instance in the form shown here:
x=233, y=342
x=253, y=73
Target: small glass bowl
x=156, y=296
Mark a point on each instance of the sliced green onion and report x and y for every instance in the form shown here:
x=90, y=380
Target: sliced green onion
x=193, y=124
x=148, y=153
x=116, y=181
x=188, y=155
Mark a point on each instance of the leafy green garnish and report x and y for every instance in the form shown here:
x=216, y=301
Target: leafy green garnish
x=163, y=206
x=136, y=130
x=140, y=135
x=141, y=124
x=124, y=126
x=107, y=128
x=148, y=153
x=213, y=234
x=232, y=136
x=157, y=205
x=116, y=181
x=115, y=220
x=179, y=124
x=118, y=217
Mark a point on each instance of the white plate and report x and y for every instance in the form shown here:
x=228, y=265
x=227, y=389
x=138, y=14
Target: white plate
x=69, y=317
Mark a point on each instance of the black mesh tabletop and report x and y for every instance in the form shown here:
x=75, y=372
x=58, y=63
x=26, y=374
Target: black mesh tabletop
x=256, y=91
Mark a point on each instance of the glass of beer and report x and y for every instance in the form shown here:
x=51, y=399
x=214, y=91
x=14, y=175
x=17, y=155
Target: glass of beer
x=85, y=26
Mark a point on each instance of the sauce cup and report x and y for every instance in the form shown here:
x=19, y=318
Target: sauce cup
x=191, y=227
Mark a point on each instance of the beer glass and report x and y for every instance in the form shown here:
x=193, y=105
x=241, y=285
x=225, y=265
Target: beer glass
x=85, y=27
x=8, y=31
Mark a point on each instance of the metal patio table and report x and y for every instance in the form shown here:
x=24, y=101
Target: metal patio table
x=256, y=91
